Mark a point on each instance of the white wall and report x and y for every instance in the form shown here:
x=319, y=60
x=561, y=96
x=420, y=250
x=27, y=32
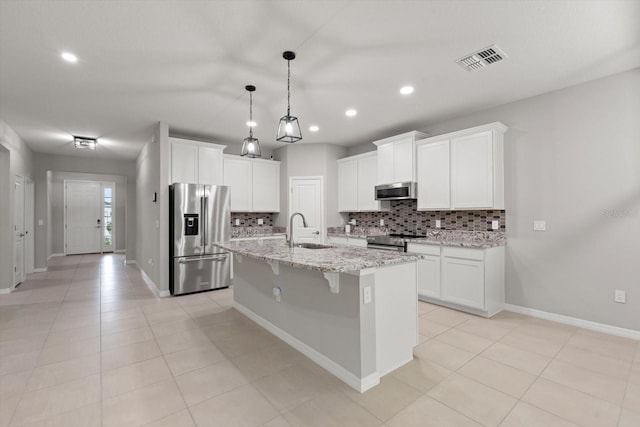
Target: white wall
x=310, y=160
x=572, y=158
x=46, y=167
x=148, y=182
x=15, y=158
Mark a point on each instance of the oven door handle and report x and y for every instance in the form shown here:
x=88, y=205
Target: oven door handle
x=385, y=247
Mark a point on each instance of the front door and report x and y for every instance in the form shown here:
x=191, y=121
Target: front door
x=83, y=208
x=18, y=227
x=306, y=198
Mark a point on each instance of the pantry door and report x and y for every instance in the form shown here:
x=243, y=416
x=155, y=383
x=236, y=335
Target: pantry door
x=306, y=197
x=83, y=217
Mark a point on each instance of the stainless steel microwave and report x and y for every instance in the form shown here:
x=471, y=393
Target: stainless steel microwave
x=396, y=191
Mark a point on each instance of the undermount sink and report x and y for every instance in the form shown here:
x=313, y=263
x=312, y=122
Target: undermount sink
x=311, y=246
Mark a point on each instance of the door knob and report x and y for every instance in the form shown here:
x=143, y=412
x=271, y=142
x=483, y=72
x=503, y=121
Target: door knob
x=21, y=234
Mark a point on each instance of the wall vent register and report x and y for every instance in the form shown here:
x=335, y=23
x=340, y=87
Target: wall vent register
x=480, y=59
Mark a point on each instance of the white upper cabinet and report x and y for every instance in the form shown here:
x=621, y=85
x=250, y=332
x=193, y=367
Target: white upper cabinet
x=396, y=158
x=356, y=182
x=433, y=175
x=462, y=170
x=348, y=185
x=195, y=162
x=255, y=184
x=266, y=185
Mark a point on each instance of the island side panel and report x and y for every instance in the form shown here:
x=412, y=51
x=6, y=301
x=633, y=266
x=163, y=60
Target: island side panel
x=331, y=324
x=396, y=301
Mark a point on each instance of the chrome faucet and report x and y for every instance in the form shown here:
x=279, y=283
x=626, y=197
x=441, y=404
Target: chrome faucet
x=304, y=223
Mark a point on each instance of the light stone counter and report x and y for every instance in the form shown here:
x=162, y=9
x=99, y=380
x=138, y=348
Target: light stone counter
x=465, y=239
x=333, y=259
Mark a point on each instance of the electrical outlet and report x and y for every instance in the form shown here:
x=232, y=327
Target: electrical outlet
x=260, y=221
x=539, y=225
x=438, y=223
x=382, y=223
x=237, y=221
x=277, y=292
x=353, y=221
x=495, y=225
x=620, y=296
x=366, y=295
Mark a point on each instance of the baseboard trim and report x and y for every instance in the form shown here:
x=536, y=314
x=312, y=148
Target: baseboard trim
x=573, y=321
x=4, y=291
x=130, y=261
x=40, y=270
x=53, y=255
x=120, y=251
x=350, y=379
x=152, y=285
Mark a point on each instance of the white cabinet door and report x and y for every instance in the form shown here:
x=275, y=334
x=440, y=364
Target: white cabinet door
x=184, y=163
x=428, y=270
x=355, y=241
x=266, y=186
x=237, y=175
x=403, y=160
x=348, y=186
x=367, y=175
x=337, y=240
x=433, y=175
x=385, y=164
x=210, y=166
x=463, y=281
x=472, y=171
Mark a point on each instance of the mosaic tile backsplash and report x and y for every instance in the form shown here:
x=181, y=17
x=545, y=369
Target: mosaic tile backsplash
x=250, y=219
x=405, y=218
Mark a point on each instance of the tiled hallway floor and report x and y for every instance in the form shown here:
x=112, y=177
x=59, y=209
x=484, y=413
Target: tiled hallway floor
x=88, y=344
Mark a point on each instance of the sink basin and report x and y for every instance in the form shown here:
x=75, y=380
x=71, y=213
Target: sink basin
x=311, y=246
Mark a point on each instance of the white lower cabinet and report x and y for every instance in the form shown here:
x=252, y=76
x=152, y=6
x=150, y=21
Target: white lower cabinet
x=467, y=279
x=428, y=269
x=350, y=241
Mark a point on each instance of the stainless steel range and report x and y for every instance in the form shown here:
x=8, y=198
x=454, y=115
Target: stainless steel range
x=391, y=242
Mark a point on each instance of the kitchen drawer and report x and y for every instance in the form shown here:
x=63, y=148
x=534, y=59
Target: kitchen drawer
x=464, y=253
x=420, y=248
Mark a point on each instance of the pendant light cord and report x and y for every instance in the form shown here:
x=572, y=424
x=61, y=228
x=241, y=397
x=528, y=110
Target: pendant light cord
x=251, y=113
x=288, y=87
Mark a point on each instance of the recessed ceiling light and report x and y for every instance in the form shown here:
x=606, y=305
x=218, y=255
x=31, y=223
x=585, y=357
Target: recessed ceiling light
x=351, y=112
x=406, y=90
x=69, y=57
x=314, y=128
x=252, y=124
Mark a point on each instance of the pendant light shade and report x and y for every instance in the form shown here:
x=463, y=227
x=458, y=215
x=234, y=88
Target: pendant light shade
x=289, y=128
x=250, y=145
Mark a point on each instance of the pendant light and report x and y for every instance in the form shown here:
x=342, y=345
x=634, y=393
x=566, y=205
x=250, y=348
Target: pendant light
x=250, y=145
x=289, y=128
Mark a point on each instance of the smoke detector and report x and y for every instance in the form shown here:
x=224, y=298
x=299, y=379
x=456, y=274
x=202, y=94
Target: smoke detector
x=480, y=59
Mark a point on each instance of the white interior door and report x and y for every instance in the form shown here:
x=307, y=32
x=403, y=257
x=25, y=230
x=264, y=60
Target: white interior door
x=306, y=198
x=18, y=227
x=29, y=200
x=83, y=217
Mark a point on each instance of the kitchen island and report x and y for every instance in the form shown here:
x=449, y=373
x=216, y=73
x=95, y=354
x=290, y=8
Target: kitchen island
x=351, y=310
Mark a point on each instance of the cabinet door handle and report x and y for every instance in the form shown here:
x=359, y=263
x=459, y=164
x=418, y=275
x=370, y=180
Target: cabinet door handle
x=316, y=232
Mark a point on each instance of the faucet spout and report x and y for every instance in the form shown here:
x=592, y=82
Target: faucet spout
x=304, y=223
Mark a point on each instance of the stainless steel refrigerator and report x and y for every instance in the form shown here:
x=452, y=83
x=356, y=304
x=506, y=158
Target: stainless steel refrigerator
x=199, y=217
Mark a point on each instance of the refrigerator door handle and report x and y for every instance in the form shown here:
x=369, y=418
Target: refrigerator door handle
x=205, y=223
x=202, y=223
x=209, y=258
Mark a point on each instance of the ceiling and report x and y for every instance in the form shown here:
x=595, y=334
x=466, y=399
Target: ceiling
x=186, y=63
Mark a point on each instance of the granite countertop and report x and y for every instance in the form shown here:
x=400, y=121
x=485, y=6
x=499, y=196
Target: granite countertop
x=255, y=236
x=333, y=259
x=256, y=231
x=357, y=232
x=465, y=239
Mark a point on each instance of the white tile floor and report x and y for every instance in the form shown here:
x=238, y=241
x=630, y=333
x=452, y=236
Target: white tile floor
x=88, y=344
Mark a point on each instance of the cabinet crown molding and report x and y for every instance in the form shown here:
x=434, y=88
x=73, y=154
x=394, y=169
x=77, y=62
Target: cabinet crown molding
x=413, y=134
x=358, y=156
x=495, y=126
x=198, y=143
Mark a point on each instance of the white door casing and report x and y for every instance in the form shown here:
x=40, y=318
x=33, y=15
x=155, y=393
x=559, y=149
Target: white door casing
x=18, y=227
x=306, y=197
x=29, y=244
x=83, y=217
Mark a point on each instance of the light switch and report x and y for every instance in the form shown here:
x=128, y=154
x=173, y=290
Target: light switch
x=260, y=221
x=382, y=223
x=237, y=221
x=539, y=225
x=40, y=222
x=438, y=223
x=495, y=225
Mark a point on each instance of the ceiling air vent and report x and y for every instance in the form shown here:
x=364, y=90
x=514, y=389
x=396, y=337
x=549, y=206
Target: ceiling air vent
x=480, y=59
